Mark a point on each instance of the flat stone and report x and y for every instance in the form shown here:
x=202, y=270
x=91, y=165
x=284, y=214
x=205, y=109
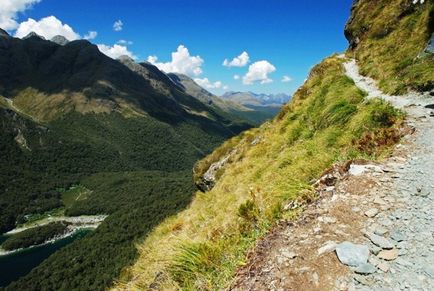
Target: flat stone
x=288, y=254
x=362, y=280
x=380, y=201
x=374, y=249
x=380, y=241
x=380, y=230
x=384, y=266
x=328, y=247
x=397, y=236
x=371, y=212
x=388, y=255
x=351, y=254
x=365, y=269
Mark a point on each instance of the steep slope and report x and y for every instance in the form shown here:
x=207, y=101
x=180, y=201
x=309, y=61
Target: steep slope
x=259, y=172
x=225, y=106
x=390, y=40
x=69, y=115
x=266, y=174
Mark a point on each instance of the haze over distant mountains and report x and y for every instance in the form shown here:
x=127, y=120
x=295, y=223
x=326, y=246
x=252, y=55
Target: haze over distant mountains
x=254, y=99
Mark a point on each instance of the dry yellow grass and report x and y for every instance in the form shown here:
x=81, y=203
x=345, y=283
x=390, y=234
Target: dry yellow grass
x=201, y=247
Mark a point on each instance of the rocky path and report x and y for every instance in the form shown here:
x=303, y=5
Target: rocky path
x=372, y=230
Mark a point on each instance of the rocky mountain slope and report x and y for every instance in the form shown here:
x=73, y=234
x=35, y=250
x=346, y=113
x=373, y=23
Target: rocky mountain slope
x=280, y=192
x=235, y=108
x=69, y=115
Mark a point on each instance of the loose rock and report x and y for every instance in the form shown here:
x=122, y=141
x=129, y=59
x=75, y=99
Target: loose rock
x=351, y=254
x=371, y=212
x=380, y=241
x=388, y=255
x=365, y=269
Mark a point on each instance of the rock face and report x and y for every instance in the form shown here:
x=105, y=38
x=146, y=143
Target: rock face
x=208, y=180
x=351, y=254
x=60, y=39
x=3, y=33
x=430, y=47
x=33, y=35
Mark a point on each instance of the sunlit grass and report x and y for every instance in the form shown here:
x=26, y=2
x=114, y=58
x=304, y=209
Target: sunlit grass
x=393, y=36
x=201, y=247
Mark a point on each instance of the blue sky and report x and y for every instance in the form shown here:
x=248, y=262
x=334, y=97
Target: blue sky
x=289, y=37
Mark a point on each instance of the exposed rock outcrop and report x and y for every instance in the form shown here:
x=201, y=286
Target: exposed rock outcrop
x=60, y=40
x=207, y=181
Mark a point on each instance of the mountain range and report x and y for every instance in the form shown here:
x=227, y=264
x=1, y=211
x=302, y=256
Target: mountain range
x=253, y=99
x=125, y=131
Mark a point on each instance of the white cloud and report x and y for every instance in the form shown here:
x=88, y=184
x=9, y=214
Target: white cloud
x=258, y=72
x=225, y=87
x=90, y=35
x=182, y=62
x=124, y=42
x=9, y=11
x=240, y=61
x=47, y=27
x=115, y=51
x=206, y=83
x=237, y=77
x=286, y=79
x=118, y=25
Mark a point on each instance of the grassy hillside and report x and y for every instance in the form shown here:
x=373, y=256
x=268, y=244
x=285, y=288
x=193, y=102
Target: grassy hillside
x=389, y=38
x=327, y=121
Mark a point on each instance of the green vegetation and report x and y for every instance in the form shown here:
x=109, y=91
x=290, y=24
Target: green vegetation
x=137, y=202
x=326, y=122
x=389, y=38
x=74, y=194
x=34, y=236
x=137, y=170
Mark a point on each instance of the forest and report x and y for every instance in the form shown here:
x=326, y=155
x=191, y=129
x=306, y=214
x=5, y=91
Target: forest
x=138, y=171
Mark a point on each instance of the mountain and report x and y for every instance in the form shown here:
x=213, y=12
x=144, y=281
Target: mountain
x=253, y=99
x=251, y=114
x=71, y=116
x=262, y=180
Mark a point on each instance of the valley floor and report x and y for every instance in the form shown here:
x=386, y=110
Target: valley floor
x=385, y=207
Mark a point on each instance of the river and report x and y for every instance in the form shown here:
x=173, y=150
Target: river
x=18, y=264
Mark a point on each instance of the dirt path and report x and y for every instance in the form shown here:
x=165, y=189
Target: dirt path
x=390, y=204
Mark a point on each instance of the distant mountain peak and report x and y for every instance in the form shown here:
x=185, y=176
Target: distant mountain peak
x=34, y=35
x=125, y=58
x=3, y=33
x=60, y=40
x=255, y=99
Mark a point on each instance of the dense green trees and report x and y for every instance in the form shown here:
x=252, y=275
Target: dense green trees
x=138, y=170
x=34, y=236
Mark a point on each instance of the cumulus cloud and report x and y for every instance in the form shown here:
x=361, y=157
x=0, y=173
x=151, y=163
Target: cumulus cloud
x=206, y=83
x=237, y=77
x=118, y=25
x=286, y=79
x=240, y=61
x=182, y=62
x=90, y=35
x=47, y=27
x=115, y=51
x=9, y=11
x=258, y=72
